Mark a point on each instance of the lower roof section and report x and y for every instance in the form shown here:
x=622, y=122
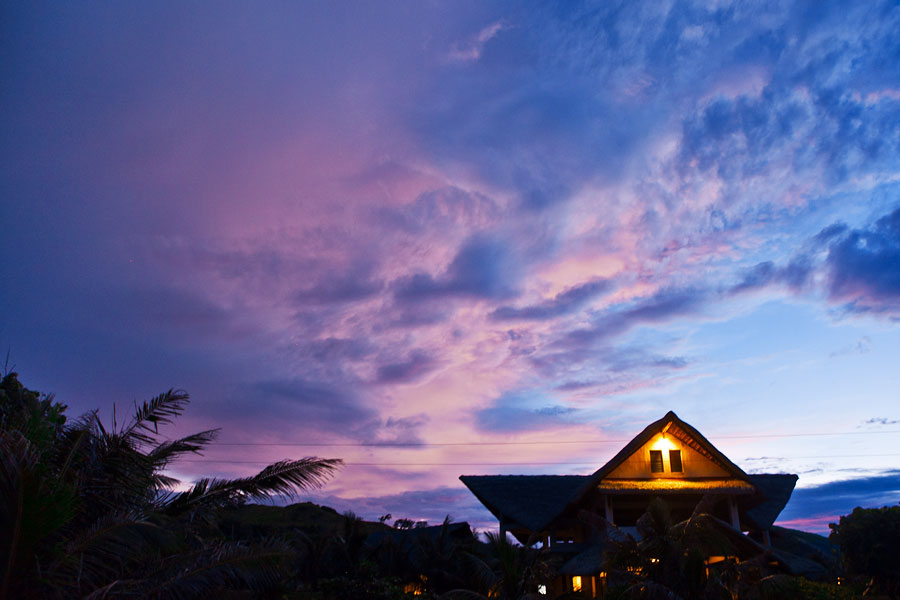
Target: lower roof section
x=529, y=501
x=534, y=501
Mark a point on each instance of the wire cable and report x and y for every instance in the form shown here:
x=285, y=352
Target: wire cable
x=495, y=464
x=533, y=443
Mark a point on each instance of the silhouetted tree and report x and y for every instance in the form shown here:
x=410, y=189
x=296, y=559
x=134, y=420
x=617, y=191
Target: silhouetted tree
x=88, y=509
x=503, y=570
x=869, y=539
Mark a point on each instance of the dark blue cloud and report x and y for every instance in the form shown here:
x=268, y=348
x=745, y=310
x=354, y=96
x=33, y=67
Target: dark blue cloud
x=864, y=266
x=412, y=369
x=795, y=275
x=563, y=303
x=610, y=370
x=881, y=421
x=829, y=233
x=756, y=277
x=334, y=349
x=483, y=268
x=629, y=359
x=841, y=497
x=814, y=113
x=665, y=304
x=411, y=315
x=316, y=404
x=662, y=306
x=347, y=285
x=514, y=412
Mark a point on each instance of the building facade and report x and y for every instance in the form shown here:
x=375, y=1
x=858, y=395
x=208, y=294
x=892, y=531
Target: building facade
x=670, y=460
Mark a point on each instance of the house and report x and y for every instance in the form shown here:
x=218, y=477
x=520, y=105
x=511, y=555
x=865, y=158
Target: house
x=669, y=459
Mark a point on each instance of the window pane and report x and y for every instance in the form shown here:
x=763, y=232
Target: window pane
x=656, y=461
x=675, y=461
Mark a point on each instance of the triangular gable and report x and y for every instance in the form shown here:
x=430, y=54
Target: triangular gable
x=674, y=426
x=694, y=463
x=671, y=425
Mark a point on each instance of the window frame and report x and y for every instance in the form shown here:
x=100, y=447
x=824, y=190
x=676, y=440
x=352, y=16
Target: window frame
x=672, y=463
x=653, y=463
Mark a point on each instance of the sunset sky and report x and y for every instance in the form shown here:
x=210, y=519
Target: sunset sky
x=445, y=238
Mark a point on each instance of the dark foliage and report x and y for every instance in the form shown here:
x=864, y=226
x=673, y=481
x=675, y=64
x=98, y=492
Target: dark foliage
x=869, y=539
x=87, y=510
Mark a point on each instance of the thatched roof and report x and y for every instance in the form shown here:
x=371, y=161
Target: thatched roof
x=529, y=501
x=803, y=543
x=804, y=553
x=532, y=502
x=677, y=428
x=728, y=486
x=588, y=562
x=799, y=565
x=775, y=490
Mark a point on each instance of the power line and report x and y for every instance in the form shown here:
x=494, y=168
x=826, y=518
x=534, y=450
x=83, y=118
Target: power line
x=534, y=443
x=495, y=464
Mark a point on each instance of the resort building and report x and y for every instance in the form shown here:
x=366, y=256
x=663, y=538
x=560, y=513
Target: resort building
x=669, y=459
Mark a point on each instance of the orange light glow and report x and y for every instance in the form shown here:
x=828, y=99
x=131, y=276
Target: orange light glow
x=664, y=442
x=576, y=583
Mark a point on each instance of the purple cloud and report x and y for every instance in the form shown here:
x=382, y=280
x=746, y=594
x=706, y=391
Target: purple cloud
x=315, y=404
x=321, y=220
x=663, y=305
x=349, y=286
x=563, y=303
x=483, y=268
x=412, y=369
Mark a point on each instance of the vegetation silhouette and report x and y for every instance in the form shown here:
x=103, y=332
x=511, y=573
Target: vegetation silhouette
x=86, y=510
x=869, y=539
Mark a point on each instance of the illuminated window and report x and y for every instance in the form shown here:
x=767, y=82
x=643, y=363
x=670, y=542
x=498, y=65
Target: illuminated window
x=656, y=461
x=675, y=461
x=542, y=590
x=412, y=588
x=576, y=583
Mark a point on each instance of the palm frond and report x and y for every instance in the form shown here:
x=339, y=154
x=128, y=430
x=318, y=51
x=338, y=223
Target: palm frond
x=103, y=592
x=651, y=590
x=96, y=555
x=206, y=570
x=168, y=451
x=32, y=508
x=284, y=477
x=150, y=414
x=462, y=594
x=482, y=573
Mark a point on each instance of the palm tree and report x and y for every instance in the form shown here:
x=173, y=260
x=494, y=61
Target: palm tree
x=668, y=559
x=504, y=571
x=90, y=510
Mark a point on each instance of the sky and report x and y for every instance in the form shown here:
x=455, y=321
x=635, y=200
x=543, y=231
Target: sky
x=445, y=238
